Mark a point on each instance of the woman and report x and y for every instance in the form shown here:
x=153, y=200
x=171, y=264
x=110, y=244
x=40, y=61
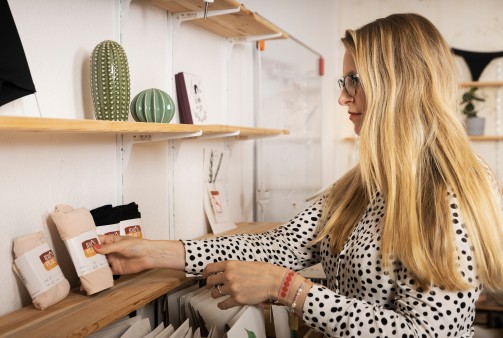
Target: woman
x=407, y=238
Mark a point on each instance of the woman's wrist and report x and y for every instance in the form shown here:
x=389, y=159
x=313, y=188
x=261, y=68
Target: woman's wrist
x=275, y=277
x=293, y=290
x=166, y=254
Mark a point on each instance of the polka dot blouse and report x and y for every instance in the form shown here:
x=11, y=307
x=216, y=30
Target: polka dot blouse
x=362, y=299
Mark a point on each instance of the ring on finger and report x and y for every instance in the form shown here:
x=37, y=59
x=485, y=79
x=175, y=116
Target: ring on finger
x=220, y=290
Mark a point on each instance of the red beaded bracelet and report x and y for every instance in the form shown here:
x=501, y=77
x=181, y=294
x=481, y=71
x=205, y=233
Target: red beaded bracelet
x=285, y=285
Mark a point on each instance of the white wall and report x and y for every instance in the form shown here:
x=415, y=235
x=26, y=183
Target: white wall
x=321, y=23
x=39, y=171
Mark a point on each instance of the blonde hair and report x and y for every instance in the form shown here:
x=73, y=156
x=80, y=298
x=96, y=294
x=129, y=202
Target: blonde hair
x=413, y=149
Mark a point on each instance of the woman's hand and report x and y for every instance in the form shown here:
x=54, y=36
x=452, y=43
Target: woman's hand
x=127, y=254
x=247, y=283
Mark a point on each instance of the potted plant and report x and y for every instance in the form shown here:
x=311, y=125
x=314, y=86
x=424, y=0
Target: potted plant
x=473, y=123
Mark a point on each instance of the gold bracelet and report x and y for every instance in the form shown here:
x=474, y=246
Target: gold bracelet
x=294, y=303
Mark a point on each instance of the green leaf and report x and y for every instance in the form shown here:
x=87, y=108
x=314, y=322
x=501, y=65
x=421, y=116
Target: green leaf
x=468, y=98
x=250, y=334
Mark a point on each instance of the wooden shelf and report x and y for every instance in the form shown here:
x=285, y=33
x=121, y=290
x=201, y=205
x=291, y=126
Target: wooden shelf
x=486, y=138
x=482, y=84
x=240, y=24
x=79, y=315
x=54, y=125
x=349, y=139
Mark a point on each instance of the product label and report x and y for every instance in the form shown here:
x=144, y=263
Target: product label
x=48, y=260
x=38, y=269
x=84, y=258
x=110, y=229
x=131, y=227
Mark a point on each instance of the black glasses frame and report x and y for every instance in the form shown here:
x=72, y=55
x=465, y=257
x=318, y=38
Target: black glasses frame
x=351, y=88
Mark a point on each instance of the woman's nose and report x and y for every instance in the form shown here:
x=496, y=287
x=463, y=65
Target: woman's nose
x=344, y=98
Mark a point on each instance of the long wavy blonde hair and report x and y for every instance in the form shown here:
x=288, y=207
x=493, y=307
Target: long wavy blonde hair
x=413, y=149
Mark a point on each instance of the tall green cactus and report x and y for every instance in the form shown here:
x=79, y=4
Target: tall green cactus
x=110, y=83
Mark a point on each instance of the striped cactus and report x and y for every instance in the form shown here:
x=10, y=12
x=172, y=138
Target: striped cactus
x=152, y=105
x=110, y=83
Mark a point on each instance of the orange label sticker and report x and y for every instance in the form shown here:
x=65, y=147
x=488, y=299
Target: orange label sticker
x=88, y=247
x=48, y=260
x=116, y=233
x=133, y=231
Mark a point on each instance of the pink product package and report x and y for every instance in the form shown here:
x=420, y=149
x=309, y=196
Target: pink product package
x=78, y=225
x=60, y=288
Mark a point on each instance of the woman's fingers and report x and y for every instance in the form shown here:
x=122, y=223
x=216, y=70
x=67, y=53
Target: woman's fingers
x=124, y=245
x=214, y=268
x=228, y=303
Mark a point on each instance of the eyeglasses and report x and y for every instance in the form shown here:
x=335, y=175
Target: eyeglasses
x=349, y=82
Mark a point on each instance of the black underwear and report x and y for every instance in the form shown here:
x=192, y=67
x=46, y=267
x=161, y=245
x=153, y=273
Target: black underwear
x=476, y=61
x=15, y=77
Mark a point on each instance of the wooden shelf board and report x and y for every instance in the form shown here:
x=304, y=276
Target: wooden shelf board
x=482, y=84
x=484, y=138
x=251, y=131
x=181, y=6
x=349, y=139
x=240, y=24
x=38, y=124
x=79, y=315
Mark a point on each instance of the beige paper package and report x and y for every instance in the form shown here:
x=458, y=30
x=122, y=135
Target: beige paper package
x=77, y=229
x=56, y=285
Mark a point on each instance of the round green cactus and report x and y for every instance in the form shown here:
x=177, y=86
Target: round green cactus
x=110, y=83
x=152, y=105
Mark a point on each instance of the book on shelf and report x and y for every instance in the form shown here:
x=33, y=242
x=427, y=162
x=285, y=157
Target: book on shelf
x=183, y=102
x=190, y=96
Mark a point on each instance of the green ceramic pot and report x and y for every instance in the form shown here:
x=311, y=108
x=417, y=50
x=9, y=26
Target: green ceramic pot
x=152, y=105
x=110, y=83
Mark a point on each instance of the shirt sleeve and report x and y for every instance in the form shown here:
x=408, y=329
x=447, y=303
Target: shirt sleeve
x=288, y=246
x=417, y=313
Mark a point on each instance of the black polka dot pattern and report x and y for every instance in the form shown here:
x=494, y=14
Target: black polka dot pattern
x=362, y=299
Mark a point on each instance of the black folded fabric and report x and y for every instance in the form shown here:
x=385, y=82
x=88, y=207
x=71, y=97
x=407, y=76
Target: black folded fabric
x=105, y=215
x=15, y=76
x=128, y=211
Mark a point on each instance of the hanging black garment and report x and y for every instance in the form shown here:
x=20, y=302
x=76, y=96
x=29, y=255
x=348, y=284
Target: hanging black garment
x=15, y=77
x=476, y=61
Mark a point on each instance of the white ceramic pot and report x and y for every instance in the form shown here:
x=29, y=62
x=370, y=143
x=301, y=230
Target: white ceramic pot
x=475, y=125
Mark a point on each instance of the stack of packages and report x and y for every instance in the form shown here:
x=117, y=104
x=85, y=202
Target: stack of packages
x=122, y=220
x=36, y=264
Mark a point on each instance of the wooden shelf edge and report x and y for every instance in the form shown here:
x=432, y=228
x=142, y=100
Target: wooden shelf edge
x=482, y=84
x=79, y=315
x=181, y=6
x=244, y=23
x=349, y=139
x=57, y=125
x=486, y=138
